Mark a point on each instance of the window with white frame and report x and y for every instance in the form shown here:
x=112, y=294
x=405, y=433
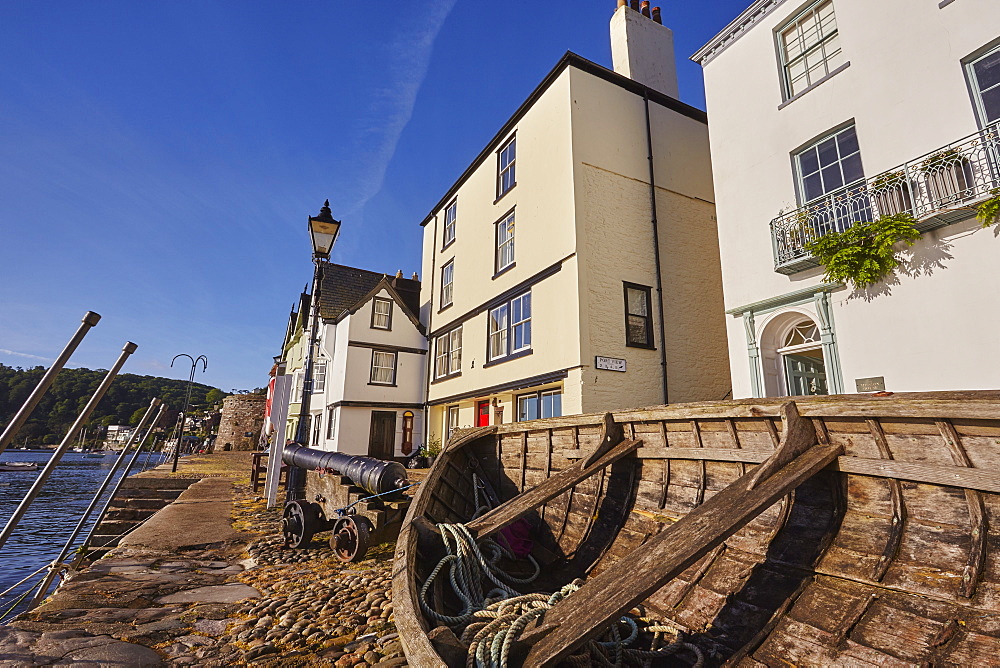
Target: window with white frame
x=505, y=242
x=810, y=47
x=383, y=368
x=447, y=283
x=319, y=377
x=331, y=424
x=299, y=382
x=506, y=158
x=984, y=74
x=450, y=219
x=452, y=420
x=510, y=327
x=317, y=422
x=537, y=405
x=448, y=353
x=381, y=313
x=829, y=164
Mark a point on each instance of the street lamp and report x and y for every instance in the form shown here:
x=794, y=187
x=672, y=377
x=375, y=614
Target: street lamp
x=187, y=400
x=323, y=232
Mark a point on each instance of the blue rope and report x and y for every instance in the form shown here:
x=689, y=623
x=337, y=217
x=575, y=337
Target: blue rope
x=343, y=511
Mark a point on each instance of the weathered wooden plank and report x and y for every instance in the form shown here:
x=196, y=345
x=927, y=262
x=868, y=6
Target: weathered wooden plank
x=582, y=615
x=696, y=439
x=797, y=436
x=898, y=509
x=406, y=604
x=977, y=513
x=984, y=481
x=521, y=505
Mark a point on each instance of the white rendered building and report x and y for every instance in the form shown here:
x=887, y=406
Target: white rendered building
x=828, y=112
x=573, y=267
x=368, y=379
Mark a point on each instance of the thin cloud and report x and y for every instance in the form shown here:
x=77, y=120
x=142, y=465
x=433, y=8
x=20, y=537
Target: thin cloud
x=17, y=354
x=394, y=102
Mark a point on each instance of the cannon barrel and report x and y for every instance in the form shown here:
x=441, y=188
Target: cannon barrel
x=372, y=475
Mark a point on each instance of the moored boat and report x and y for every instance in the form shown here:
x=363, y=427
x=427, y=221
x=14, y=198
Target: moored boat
x=18, y=466
x=849, y=529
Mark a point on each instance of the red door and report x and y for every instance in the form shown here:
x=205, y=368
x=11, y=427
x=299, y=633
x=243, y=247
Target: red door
x=483, y=414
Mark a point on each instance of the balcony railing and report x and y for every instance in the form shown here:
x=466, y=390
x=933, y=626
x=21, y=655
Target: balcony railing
x=936, y=189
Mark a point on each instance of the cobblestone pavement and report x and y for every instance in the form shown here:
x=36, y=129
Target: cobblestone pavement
x=244, y=601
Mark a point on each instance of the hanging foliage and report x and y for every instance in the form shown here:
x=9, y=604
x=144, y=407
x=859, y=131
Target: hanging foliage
x=988, y=212
x=864, y=253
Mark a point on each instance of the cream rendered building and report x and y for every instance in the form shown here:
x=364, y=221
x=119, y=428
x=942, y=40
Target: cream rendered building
x=832, y=111
x=369, y=374
x=544, y=264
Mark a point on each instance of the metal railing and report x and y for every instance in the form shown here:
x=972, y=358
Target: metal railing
x=937, y=188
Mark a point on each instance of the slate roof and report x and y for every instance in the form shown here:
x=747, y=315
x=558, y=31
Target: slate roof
x=344, y=288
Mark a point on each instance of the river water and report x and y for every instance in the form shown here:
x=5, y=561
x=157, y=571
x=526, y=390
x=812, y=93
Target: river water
x=49, y=522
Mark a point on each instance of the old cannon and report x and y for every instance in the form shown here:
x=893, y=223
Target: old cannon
x=359, y=499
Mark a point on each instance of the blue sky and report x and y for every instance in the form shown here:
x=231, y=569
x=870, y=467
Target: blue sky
x=159, y=160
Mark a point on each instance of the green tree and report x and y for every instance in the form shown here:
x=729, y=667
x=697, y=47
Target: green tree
x=215, y=395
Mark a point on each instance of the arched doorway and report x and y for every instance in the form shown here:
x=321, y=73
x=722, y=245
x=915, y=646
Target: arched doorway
x=792, y=356
x=802, y=359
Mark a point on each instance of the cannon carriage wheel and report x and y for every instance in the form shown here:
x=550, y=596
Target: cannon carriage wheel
x=351, y=537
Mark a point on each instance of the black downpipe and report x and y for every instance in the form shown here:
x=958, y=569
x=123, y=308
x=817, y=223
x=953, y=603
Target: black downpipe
x=430, y=343
x=656, y=249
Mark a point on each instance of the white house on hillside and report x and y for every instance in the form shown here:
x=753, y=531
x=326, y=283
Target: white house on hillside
x=368, y=380
x=830, y=112
x=574, y=265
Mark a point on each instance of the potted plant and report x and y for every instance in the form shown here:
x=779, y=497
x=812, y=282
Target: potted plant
x=947, y=174
x=890, y=193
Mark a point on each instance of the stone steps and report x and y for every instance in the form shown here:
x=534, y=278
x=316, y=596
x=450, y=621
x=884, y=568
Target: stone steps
x=138, y=499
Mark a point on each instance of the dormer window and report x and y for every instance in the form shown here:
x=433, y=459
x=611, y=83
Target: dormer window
x=382, y=313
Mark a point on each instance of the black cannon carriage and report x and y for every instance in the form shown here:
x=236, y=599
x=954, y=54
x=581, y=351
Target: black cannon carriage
x=360, y=500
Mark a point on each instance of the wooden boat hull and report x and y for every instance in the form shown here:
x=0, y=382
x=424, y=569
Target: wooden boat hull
x=888, y=556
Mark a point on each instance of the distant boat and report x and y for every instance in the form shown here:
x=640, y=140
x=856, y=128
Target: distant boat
x=96, y=454
x=18, y=466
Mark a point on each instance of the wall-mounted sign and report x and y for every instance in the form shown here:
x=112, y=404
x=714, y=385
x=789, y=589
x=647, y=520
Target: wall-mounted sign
x=873, y=384
x=610, y=363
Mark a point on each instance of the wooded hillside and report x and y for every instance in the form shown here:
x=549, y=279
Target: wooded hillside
x=127, y=399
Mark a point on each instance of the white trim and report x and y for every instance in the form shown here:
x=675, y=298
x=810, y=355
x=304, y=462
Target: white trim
x=732, y=32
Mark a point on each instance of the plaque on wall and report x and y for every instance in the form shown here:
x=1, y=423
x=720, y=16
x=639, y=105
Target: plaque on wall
x=873, y=384
x=610, y=363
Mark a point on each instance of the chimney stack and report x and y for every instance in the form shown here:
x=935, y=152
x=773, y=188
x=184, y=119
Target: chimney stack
x=416, y=277
x=399, y=273
x=622, y=3
x=642, y=48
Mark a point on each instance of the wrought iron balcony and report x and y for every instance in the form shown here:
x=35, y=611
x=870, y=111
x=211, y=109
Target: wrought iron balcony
x=937, y=189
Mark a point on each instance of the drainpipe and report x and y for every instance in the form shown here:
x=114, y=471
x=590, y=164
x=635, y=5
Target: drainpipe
x=430, y=343
x=656, y=248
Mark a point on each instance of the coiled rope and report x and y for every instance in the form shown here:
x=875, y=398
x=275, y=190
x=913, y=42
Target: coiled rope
x=494, y=619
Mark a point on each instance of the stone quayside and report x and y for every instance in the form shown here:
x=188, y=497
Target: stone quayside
x=207, y=582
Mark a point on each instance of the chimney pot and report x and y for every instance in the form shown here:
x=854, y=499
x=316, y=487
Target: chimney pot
x=622, y=3
x=644, y=8
x=657, y=16
x=399, y=273
x=415, y=276
x=634, y=5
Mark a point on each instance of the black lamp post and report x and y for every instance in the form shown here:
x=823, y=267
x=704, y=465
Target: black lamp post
x=187, y=401
x=323, y=232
